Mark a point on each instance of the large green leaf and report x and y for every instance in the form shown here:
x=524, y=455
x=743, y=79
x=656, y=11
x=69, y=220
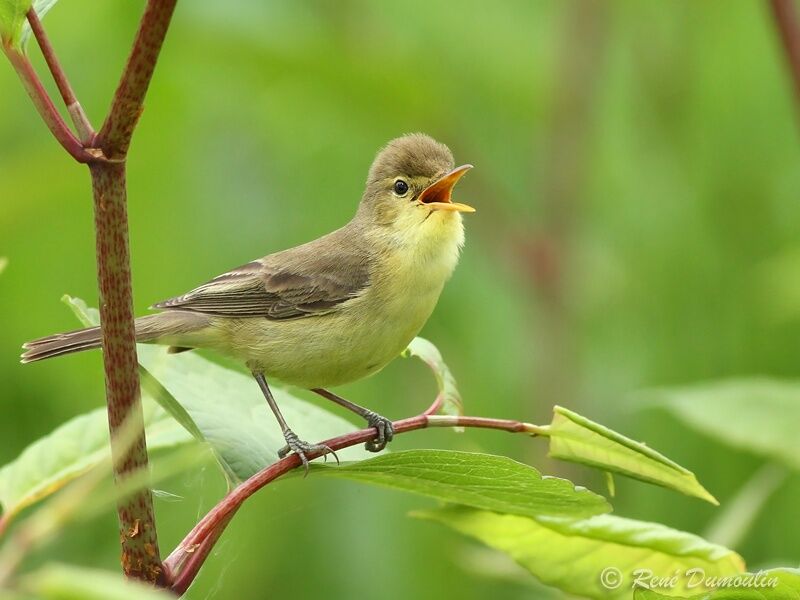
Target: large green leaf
x=63, y=582
x=480, y=480
x=51, y=462
x=775, y=584
x=229, y=411
x=577, y=439
x=449, y=395
x=226, y=408
x=759, y=415
x=596, y=557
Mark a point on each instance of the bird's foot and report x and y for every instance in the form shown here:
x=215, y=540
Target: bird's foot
x=385, y=431
x=304, y=449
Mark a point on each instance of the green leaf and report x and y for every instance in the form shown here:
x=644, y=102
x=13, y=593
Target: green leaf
x=14, y=27
x=76, y=446
x=226, y=409
x=451, y=403
x=577, y=556
x=63, y=582
x=577, y=439
x=12, y=19
x=479, y=480
x=759, y=415
x=3, y=263
x=775, y=584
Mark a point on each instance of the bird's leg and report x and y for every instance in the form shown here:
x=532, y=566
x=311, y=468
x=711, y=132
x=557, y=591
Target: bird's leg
x=381, y=424
x=293, y=443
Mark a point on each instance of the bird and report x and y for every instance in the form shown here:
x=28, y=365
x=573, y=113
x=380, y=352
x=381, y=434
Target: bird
x=330, y=311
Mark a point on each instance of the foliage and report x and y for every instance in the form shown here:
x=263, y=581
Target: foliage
x=189, y=388
x=479, y=480
x=577, y=439
x=574, y=555
x=451, y=403
x=14, y=28
x=81, y=443
x=664, y=253
x=64, y=582
x=774, y=584
x=757, y=414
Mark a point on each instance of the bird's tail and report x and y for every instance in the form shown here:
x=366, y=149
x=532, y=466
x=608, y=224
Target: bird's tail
x=167, y=327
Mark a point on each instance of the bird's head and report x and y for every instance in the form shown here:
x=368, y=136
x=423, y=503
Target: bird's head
x=409, y=189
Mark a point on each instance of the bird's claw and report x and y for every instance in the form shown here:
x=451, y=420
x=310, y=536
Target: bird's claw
x=385, y=430
x=304, y=449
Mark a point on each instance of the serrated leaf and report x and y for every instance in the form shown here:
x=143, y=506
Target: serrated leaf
x=575, y=438
x=573, y=555
x=451, y=403
x=63, y=582
x=76, y=446
x=774, y=584
x=226, y=409
x=759, y=415
x=479, y=480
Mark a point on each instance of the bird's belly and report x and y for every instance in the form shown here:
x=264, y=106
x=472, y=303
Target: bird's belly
x=331, y=349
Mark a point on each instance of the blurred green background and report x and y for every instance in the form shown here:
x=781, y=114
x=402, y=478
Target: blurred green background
x=637, y=177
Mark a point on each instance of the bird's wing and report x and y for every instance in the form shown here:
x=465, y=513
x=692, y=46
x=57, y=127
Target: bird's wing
x=277, y=287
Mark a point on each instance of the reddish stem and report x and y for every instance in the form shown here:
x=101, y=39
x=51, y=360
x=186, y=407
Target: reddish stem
x=106, y=158
x=79, y=118
x=140, y=553
x=127, y=106
x=186, y=560
x=140, y=556
x=43, y=103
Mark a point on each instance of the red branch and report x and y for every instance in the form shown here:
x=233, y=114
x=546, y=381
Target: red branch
x=185, y=561
x=106, y=153
x=85, y=130
x=44, y=105
x=127, y=106
x=140, y=552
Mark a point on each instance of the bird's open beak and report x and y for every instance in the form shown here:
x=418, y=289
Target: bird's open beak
x=437, y=195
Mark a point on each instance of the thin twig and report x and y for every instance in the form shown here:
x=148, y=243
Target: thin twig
x=43, y=103
x=785, y=15
x=79, y=118
x=185, y=561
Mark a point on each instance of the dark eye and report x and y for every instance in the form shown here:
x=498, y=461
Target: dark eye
x=400, y=187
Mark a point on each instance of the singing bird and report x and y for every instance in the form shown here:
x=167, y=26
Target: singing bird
x=333, y=310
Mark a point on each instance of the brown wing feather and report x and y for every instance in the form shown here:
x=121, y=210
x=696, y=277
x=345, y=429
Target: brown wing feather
x=307, y=280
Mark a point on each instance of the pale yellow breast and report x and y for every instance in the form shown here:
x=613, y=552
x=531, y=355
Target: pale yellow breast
x=363, y=334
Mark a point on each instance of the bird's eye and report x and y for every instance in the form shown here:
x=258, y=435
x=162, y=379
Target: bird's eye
x=400, y=187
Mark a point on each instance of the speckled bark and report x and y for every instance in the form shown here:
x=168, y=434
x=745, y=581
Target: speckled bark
x=140, y=555
x=126, y=108
x=105, y=153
